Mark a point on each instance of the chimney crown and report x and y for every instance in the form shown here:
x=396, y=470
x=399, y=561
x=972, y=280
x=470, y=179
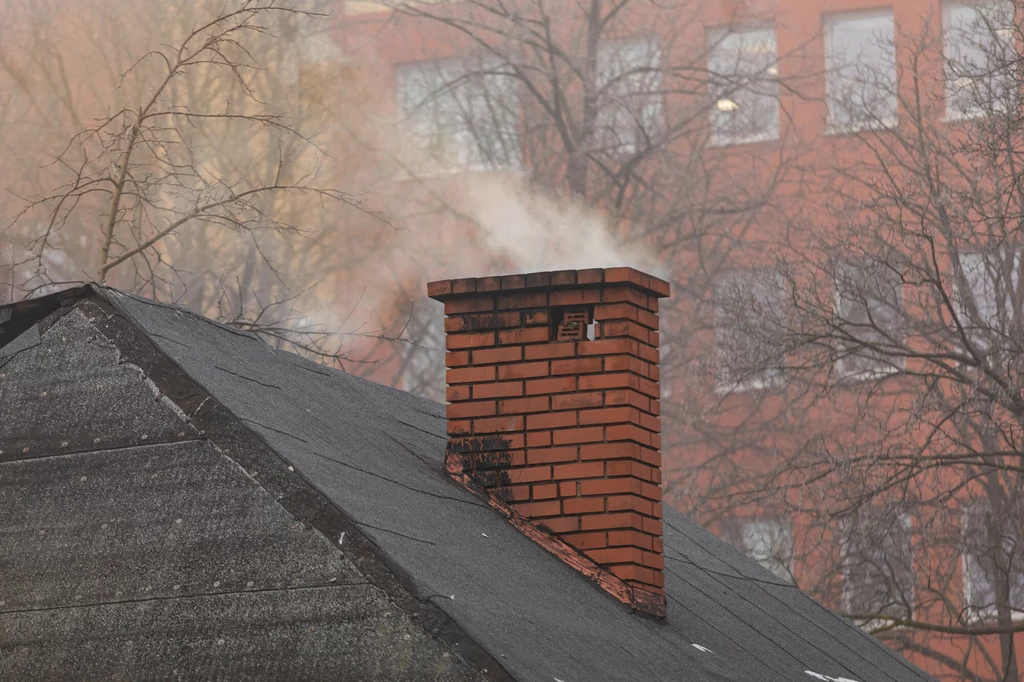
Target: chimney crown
x=554, y=414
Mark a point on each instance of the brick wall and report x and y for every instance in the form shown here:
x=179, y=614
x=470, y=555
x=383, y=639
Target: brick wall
x=553, y=407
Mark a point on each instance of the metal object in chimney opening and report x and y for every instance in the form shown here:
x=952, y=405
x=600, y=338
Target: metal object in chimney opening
x=574, y=324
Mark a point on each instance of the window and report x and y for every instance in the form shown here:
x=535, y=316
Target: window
x=744, y=86
x=463, y=114
x=878, y=565
x=749, y=328
x=629, y=102
x=423, y=359
x=987, y=557
x=978, y=47
x=989, y=302
x=868, y=302
x=769, y=543
x=860, y=71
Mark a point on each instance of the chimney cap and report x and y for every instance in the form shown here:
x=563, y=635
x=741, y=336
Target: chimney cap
x=447, y=289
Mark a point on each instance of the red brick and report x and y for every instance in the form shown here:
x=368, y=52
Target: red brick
x=536, y=317
x=646, y=318
x=628, y=432
x=481, y=321
x=616, y=520
x=661, y=287
x=524, y=335
x=551, y=455
x=652, y=526
x=617, y=294
x=609, y=415
x=464, y=286
x=648, y=422
x=459, y=426
x=545, y=491
x=469, y=340
x=609, y=486
x=614, y=275
x=610, y=451
x=516, y=492
x=552, y=385
x=440, y=288
x=457, y=358
x=498, y=424
x=470, y=375
x=655, y=561
x=541, y=403
x=551, y=420
x=513, y=281
x=597, y=382
x=595, y=540
x=588, y=435
x=657, y=545
x=585, y=470
x=537, y=299
x=629, y=503
x=488, y=283
x=633, y=572
x=538, y=279
x=616, y=311
x=568, y=488
x=494, y=355
x=654, y=407
x=576, y=366
x=608, y=347
x=507, y=389
x=479, y=409
x=558, y=349
x=525, y=370
x=583, y=505
x=561, y=278
x=590, y=276
x=617, y=555
x=647, y=353
x=456, y=393
x=529, y=474
x=468, y=305
x=546, y=508
x=651, y=492
x=650, y=456
x=648, y=387
x=576, y=297
x=628, y=397
x=573, y=401
x=538, y=439
x=618, y=538
x=627, y=363
x=562, y=524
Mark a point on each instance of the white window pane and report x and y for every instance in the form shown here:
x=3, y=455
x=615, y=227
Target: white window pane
x=629, y=107
x=989, y=301
x=770, y=543
x=868, y=309
x=985, y=558
x=464, y=114
x=979, y=56
x=744, y=86
x=749, y=324
x=878, y=563
x=860, y=63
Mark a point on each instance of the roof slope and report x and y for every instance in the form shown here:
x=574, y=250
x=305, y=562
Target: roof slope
x=378, y=454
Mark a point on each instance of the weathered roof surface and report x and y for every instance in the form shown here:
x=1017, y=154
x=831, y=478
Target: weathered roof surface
x=378, y=453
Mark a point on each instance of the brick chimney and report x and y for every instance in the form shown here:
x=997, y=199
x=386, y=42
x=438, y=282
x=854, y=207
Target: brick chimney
x=553, y=414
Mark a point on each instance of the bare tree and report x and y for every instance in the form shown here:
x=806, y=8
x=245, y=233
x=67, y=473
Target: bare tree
x=884, y=401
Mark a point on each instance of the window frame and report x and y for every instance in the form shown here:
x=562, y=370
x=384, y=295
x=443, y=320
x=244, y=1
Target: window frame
x=716, y=37
x=844, y=374
x=907, y=521
x=951, y=114
x=986, y=613
x=829, y=22
x=470, y=157
x=607, y=87
x=769, y=378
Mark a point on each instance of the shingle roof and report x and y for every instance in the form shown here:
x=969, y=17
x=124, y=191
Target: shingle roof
x=378, y=454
